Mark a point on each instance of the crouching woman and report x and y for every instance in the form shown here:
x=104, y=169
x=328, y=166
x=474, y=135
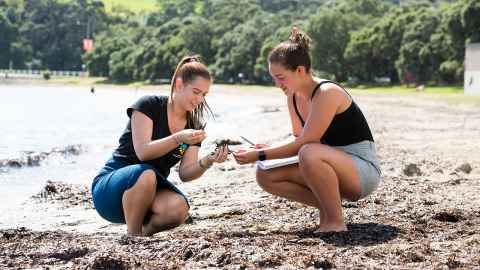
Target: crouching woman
x=132, y=187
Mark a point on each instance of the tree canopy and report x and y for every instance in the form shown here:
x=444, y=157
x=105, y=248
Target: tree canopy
x=361, y=40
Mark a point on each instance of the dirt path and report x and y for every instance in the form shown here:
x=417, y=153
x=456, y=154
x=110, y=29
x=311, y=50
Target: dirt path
x=426, y=215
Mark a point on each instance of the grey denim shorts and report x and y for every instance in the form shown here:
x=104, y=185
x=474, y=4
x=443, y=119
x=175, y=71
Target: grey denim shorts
x=368, y=166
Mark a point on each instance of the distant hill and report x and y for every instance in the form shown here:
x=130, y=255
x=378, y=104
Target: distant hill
x=134, y=6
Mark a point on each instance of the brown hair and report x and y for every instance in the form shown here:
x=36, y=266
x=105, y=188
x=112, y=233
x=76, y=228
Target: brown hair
x=188, y=69
x=293, y=52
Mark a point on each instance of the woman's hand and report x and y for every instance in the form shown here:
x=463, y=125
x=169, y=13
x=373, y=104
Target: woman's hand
x=218, y=156
x=243, y=156
x=190, y=136
x=260, y=146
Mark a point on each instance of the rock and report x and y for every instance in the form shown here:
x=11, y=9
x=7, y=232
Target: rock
x=448, y=216
x=50, y=187
x=187, y=254
x=14, y=163
x=465, y=167
x=76, y=149
x=30, y=158
x=411, y=170
x=322, y=264
x=34, y=159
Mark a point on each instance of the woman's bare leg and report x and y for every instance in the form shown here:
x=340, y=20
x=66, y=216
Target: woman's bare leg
x=169, y=211
x=287, y=182
x=330, y=174
x=137, y=200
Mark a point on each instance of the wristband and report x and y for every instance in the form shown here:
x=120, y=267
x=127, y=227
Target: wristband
x=261, y=155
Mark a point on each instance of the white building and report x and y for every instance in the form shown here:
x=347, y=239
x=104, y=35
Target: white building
x=472, y=69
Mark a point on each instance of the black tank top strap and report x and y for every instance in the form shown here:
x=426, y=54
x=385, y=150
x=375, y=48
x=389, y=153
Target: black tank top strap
x=297, y=111
x=327, y=81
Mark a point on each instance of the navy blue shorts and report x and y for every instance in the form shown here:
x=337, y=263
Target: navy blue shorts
x=116, y=177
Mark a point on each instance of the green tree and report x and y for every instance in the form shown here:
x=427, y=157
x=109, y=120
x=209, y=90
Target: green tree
x=374, y=49
x=470, y=16
x=239, y=49
x=330, y=31
x=416, y=54
x=7, y=35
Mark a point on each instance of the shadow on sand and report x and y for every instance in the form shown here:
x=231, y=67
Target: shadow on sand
x=364, y=234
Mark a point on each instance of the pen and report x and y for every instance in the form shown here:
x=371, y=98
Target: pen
x=247, y=140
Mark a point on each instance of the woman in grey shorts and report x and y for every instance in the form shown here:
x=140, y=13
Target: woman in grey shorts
x=336, y=149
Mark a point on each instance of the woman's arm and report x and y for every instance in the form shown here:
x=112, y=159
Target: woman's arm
x=325, y=105
x=296, y=125
x=145, y=148
x=191, y=167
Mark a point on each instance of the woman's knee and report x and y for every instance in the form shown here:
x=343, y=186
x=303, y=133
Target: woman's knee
x=170, y=206
x=147, y=181
x=308, y=154
x=179, y=209
x=312, y=158
x=264, y=179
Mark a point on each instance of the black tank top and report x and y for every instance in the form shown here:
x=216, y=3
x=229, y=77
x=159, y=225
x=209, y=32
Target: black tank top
x=346, y=128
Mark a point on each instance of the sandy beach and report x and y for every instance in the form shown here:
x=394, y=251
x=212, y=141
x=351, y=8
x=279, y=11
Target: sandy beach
x=425, y=215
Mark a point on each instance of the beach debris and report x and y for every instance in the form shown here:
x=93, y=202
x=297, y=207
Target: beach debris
x=412, y=169
x=108, y=262
x=465, y=167
x=31, y=158
x=65, y=194
x=227, y=168
x=226, y=141
x=69, y=253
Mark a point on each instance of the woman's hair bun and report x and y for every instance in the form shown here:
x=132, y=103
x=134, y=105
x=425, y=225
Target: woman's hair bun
x=300, y=38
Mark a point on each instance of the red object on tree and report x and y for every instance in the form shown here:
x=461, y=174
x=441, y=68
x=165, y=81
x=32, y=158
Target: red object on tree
x=87, y=45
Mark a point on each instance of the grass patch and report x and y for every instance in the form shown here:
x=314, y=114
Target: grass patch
x=451, y=94
x=136, y=6
x=399, y=89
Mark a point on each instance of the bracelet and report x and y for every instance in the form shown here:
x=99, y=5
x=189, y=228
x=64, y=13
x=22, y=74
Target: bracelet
x=176, y=140
x=203, y=166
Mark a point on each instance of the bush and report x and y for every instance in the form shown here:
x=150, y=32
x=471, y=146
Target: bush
x=46, y=75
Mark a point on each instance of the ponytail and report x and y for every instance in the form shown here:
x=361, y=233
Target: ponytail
x=188, y=69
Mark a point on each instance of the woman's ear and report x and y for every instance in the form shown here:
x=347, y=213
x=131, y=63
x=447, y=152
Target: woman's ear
x=178, y=84
x=301, y=70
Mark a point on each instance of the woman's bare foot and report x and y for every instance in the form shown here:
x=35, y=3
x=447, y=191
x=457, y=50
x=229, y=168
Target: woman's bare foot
x=333, y=228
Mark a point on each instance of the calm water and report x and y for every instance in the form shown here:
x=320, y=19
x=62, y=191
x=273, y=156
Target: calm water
x=39, y=118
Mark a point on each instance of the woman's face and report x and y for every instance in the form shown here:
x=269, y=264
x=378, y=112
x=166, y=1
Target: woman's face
x=285, y=79
x=192, y=94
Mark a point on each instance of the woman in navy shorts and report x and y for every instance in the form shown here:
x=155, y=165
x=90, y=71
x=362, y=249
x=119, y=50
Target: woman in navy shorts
x=132, y=187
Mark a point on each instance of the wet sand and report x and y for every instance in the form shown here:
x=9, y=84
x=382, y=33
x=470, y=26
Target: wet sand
x=425, y=215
